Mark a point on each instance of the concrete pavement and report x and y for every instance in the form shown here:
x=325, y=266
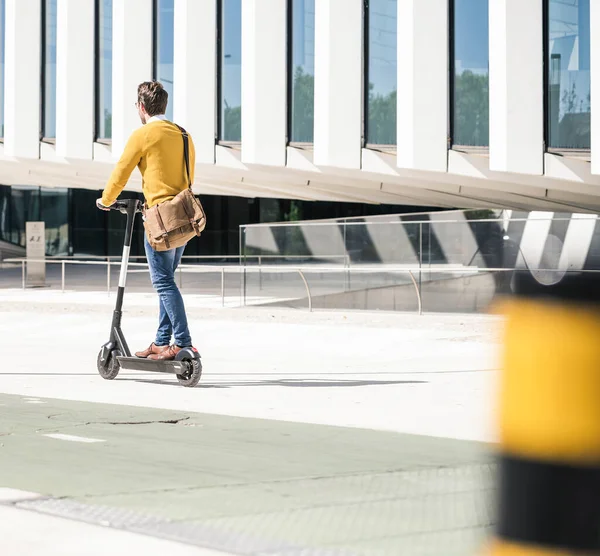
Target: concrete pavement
x=32, y=533
x=323, y=433
x=247, y=486
x=424, y=375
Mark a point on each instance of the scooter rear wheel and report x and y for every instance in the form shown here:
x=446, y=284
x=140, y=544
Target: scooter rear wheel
x=112, y=367
x=192, y=376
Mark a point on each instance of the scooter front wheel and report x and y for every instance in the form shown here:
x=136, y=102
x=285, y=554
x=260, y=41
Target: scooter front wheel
x=109, y=369
x=192, y=375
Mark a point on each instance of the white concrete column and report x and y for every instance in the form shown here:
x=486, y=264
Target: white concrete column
x=338, y=83
x=595, y=83
x=423, y=85
x=132, y=64
x=264, y=87
x=75, y=87
x=195, y=70
x=516, y=87
x=22, y=78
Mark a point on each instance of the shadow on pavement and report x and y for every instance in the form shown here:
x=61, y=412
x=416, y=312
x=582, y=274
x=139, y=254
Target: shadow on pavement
x=296, y=383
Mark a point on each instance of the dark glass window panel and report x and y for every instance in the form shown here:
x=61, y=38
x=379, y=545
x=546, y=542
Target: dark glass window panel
x=88, y=224
x=55, y=214
x=230, y=110
x=115, y=223
x=568, y=66
x=471, y=74
x=164, y=47
x=5, y=213
x=382, y=71
x=25, y=207
x=302, y=71
x=104, y=61
x=49, y=121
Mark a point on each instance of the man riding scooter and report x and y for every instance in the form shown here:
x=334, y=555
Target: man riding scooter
x=158, y=151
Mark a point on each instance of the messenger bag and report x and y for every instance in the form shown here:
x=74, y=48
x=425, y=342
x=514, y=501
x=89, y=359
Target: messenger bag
x=173, y=223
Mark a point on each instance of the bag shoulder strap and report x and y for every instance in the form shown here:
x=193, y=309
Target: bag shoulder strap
x=186, y=153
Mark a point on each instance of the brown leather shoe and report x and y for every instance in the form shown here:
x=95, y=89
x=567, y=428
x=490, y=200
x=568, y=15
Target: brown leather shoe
x=153, y=349
x=167, y=354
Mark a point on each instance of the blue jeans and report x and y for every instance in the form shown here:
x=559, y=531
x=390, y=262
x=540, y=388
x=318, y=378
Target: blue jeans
x=172, y=317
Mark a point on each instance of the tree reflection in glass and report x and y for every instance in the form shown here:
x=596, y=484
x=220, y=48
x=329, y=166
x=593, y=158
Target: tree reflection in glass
x=231, y=71
x=569, y=99
x=470, y=115
x=303, y=67
x=382, y=71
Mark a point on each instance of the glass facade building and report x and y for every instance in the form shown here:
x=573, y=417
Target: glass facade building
x=470, y=81
x=74, y=226
x=48, y=130
x=164, y=43
x=568, y=74
x=230, y=70
x=104, y=69
x=302, y=71
x=381, y=65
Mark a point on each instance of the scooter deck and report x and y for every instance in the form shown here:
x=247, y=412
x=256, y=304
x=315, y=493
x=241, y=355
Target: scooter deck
x=151, y=365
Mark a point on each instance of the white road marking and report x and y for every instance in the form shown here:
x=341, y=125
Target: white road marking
x=72, y=438
x=34, y=401
x=14, y=495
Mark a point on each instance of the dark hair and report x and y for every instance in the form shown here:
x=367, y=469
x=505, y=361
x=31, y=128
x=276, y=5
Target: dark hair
x=154, y=97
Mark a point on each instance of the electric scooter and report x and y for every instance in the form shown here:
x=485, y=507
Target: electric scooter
x=115, y=354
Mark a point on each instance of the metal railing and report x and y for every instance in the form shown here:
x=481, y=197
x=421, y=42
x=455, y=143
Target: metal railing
x=302, y=271
x=415, y=273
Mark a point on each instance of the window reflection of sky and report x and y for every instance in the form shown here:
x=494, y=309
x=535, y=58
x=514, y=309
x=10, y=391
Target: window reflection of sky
x=471, y=37
x=570, y=43
x=49, y=123
x=104, y=87
x=470, y=110
x=165, y=37
x=303, y=35
x=382, y=71
x=569, y=74
x=232, y=52
x=231, y=70
x=302, y=71
x=383, y=45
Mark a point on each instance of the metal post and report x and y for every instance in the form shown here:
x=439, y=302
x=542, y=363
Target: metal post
x=240, y=260
x=420, y=254
x=345, y=260
x=222, y=286
x=259, y=273
x=420, y=306
x=23, y=272
x=244, y=282
x=307, y=290
x=62, y=264
x=348, y=273
x=549, y=419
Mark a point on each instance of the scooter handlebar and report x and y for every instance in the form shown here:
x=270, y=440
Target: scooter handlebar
x=123, y=205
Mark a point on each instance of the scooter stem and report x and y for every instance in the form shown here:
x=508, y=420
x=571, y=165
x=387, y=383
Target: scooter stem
x=131, y=208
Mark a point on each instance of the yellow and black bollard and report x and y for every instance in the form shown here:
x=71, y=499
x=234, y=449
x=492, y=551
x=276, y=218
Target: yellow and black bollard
x=549, y=420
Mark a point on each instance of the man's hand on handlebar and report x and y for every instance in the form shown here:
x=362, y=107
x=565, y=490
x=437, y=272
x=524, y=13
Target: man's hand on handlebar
x=101, y=206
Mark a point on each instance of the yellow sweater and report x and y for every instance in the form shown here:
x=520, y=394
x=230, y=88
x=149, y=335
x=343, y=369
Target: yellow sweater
x=157, y=150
